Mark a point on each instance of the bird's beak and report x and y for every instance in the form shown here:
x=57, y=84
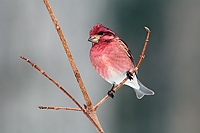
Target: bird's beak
x=94, y=38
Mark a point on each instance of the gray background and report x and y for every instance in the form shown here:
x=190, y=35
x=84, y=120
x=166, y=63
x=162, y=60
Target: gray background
x=171, y=66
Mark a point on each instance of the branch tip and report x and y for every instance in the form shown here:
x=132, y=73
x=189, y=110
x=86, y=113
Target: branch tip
x=148, y=30
x=20, y=56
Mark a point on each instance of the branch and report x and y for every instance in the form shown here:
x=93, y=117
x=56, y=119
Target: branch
x=135, y=69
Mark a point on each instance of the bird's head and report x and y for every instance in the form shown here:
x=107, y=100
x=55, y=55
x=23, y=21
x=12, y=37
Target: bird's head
x=100, y=33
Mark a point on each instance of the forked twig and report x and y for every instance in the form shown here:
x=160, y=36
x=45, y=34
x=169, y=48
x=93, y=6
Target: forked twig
x=135, y=69
x=90, y=110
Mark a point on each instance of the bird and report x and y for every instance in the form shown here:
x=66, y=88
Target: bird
x=113, y=61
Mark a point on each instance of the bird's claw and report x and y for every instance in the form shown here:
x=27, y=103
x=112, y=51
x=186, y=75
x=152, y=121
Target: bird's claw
x=110, y=93
x=129, y=75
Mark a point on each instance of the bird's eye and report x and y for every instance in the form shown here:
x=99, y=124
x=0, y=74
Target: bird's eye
x=100, y=33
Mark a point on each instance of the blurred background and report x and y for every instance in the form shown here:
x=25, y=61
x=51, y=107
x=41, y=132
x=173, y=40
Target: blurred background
x=171, y=66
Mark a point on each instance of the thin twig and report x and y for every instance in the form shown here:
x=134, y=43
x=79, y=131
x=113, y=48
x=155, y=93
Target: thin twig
x=144, y=48
x=58, y=108
x=135, y=69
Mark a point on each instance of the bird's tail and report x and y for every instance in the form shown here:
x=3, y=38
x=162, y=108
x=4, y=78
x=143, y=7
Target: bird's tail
x=139, y=88
x=143, y=90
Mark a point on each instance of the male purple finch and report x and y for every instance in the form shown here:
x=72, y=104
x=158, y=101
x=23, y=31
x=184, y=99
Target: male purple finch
x=112, y=59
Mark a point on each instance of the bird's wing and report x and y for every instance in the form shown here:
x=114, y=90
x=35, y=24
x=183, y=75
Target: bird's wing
x=128, y=52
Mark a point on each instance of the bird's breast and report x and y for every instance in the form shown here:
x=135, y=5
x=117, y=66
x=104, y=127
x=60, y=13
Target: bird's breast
x=110, y=61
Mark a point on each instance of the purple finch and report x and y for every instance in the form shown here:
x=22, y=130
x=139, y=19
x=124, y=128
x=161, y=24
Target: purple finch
x=112, y=59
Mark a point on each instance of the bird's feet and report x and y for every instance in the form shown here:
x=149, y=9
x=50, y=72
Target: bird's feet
x=129, y=75
x=111, y=92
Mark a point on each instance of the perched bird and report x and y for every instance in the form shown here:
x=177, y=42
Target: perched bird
x=112, y=59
